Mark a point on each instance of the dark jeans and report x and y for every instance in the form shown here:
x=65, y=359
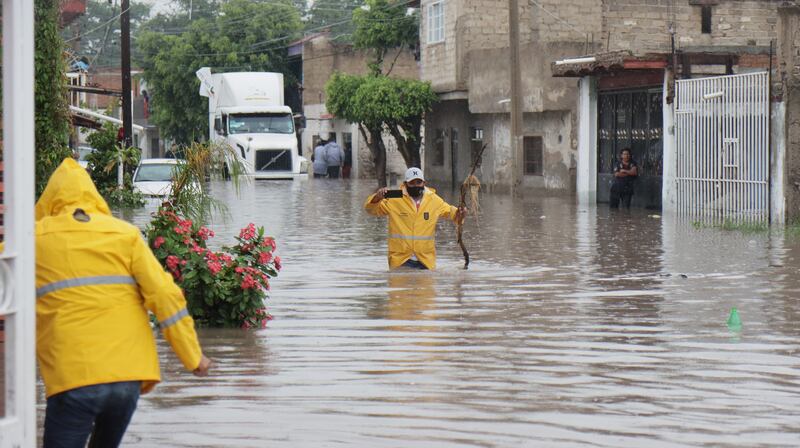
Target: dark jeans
x=333, y=172
x=414, y=264
x=621, y=194
x=102, y=410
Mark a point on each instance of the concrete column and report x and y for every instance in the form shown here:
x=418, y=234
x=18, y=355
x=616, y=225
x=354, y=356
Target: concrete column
x=669, y=186
x=789, y=75
x=587, y=141
x=777, y=161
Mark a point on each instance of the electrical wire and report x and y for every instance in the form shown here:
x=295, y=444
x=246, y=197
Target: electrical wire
x=569, y=25
x=99, y=27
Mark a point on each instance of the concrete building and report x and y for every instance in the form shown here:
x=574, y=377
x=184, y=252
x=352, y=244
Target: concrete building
x=465, y=56
x=642, y=53
x=321, y=57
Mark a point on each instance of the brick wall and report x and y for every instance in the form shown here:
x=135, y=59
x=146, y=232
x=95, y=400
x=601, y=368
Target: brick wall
x=321, y=58
x=637, y=25
x=644, y=26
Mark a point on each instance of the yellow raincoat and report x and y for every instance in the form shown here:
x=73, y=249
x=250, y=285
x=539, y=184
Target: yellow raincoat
x=412, y=231
x=95, y=282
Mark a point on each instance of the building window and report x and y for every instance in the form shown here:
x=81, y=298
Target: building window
x=435, y=22
x=532, y=157
x=475, y=143
x=705, y=19
x=438, y=148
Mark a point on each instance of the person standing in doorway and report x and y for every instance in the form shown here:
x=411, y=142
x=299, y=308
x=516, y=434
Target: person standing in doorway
x=625, y=173
x=96, y=281
x=334, y=157
x=412, y=221
x=348, y=163
x=318, y=158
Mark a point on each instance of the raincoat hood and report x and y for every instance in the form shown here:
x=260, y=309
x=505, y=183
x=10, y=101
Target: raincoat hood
x=70, y=188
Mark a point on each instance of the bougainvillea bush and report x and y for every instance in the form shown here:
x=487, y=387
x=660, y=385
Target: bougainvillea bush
x=223, y=289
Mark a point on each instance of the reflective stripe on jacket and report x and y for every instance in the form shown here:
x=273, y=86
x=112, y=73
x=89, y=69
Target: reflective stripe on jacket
x=95, y=282
x=412, y=231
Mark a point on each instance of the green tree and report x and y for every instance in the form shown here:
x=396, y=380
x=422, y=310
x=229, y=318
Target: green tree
x=52, y=109
x=94, y=36
x=377, y=103
x=383, y=26
x=336, y=16
x=244, y=36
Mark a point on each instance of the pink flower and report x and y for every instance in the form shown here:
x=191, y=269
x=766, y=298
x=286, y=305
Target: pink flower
x=172, y=262
x=269, y=242
x=248, y=232
x=248, y=282
x=158, y=242
x=204, y=233
x=214, y=267
x=264, y=257
x=278, y=263
x=197, y=249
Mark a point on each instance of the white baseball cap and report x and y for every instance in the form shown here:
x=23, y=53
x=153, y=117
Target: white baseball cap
x=414, y=173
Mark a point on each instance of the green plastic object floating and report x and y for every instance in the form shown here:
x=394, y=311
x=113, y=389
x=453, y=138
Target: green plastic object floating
x=734, y=321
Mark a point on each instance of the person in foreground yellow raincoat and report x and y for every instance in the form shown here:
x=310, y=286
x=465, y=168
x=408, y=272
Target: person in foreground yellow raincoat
x=96, y=279
x=412, y=221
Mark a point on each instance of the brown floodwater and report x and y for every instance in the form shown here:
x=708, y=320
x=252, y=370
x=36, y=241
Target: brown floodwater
x=575, y=326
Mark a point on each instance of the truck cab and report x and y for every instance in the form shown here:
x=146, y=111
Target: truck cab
x=246, y=111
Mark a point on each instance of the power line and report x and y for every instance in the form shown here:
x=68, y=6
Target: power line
x=101, y=26
x=256, y=47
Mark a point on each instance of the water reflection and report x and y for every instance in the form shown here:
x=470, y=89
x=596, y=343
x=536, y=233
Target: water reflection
x=574, y=326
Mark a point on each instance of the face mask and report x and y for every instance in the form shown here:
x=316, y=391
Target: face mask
x=414, y=192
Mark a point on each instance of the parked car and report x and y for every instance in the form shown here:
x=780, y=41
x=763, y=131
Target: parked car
x=83, y=151
x=153, y=177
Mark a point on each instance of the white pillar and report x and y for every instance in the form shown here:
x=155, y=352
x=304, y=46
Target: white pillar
x=587, y=141
x=777, y=163
x=18, y=300
x=669, y=197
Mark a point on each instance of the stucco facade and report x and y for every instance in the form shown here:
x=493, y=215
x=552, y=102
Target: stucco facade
x=469, y=69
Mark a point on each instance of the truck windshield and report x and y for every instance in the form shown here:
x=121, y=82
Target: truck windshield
x=261, y=123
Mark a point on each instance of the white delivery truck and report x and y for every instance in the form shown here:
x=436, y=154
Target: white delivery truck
x=246, y=111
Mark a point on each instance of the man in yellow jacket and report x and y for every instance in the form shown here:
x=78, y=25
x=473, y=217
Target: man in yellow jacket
x=96, y=279
x=412, y=221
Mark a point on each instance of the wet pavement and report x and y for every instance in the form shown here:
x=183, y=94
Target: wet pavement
x=574, y=326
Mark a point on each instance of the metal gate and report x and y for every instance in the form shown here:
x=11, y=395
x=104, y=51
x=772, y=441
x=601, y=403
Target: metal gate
x=631, y=119
x=722, y=144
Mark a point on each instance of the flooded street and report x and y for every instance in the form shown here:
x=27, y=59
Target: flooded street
x=574, y=326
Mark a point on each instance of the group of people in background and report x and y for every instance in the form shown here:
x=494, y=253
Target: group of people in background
x=330, y=160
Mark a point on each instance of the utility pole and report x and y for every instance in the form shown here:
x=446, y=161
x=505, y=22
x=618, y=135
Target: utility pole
x=515, y=99
x=125, y=29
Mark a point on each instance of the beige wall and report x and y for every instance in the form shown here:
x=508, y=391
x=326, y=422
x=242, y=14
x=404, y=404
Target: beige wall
x=643, y=26
x=321, y=58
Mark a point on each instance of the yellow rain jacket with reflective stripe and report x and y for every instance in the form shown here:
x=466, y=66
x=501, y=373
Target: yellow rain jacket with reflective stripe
x=95, y=282
x=412, y=231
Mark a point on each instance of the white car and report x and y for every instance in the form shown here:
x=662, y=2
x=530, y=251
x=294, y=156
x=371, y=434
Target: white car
x=153, y=177
x=83, y=151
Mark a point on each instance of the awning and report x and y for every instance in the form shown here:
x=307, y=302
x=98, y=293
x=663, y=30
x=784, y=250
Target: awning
x=607, y=62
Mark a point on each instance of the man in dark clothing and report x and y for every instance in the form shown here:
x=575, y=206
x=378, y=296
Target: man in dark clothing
x=625, y=173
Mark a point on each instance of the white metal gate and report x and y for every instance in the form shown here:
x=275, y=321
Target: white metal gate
x=722, y=144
